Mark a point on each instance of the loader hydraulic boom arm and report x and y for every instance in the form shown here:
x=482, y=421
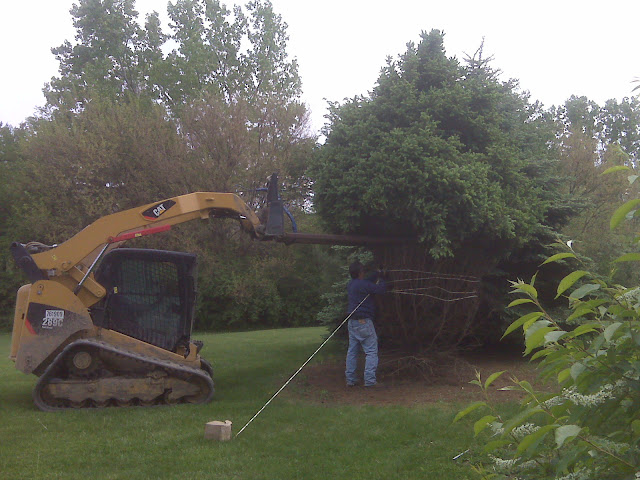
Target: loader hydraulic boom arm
x=71, y=262
x=81, y=248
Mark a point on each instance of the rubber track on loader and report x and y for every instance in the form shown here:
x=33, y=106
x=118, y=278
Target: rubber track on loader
x=178, y=371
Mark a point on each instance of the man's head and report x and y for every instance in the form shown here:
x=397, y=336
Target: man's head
x=356, y=269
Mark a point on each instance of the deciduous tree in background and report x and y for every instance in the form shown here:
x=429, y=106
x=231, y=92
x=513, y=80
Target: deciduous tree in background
x=109, y=58
x=126, y=124
x=239, y=109
x=207, y=59
x=593, y=139
x=614, y=123
x=108, y=157
x=10, y=168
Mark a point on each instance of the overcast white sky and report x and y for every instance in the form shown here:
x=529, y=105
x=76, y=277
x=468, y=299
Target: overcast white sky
x=555, y=48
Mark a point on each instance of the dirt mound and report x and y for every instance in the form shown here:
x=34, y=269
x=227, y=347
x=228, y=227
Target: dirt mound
x=416, y=380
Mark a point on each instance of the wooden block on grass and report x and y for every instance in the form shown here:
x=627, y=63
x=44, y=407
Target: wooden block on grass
x=217, y=430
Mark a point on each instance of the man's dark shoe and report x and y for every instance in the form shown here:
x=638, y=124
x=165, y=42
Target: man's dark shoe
x=352, y=385
x=376, y=385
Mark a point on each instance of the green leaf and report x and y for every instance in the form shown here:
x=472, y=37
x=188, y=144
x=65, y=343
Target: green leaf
x=519, y=301
x=481, y=424
x=576, y=370
x=571, y=455
x=565, y=432
x=492, y=378
x=617, y=168
x=597, y=344
x=526, y=386
x=564, y=375
x=532, y=326
x=521, y=417
x=569, y=280
x=635, y=426
x=586, y=308
x=530, y=439
x=622, y=212
x=629, y=257
x=526, y=288
x=580, y=292
x=494, y=445
x=611, y=330
x=468, y=410
x=558, y=256
x=541, y=353
x=521, y=321
x=585, y=328
x=536, y=339
x=632, y=179
x=552, y=337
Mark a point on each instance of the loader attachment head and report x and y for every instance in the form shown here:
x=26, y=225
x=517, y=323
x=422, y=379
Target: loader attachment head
x=273, y=226
x=275, y=214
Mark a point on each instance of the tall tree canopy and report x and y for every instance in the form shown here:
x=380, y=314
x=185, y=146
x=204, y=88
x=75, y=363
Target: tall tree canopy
x=109, y=57
x=614, y=123
x=239, y=53
x=228, y=81
x=440, y=150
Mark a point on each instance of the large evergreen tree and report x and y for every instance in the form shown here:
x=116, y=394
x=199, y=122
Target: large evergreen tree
x=447, y=154
x=439, y=150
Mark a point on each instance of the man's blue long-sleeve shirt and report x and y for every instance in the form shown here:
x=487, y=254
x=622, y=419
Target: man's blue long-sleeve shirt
x=358, y=289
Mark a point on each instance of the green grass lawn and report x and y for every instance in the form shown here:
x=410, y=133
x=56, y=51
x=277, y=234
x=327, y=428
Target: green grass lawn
x=289, y=440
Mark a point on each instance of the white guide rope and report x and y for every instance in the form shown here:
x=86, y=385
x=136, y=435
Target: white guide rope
x=433, y=297
x=420, y=291
x=301, y=367
x=434, y=277
x=468, y=278
x=433, y=287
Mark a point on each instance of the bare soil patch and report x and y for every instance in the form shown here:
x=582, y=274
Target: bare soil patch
x=412, y=381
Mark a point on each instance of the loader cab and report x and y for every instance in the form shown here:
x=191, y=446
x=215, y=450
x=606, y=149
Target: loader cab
x=150, y=295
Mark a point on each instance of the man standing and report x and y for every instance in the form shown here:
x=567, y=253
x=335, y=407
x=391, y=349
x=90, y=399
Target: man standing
x=362, y=333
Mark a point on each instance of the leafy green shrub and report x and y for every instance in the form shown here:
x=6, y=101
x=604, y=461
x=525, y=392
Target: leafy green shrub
x=261, y=286
x=588, y=425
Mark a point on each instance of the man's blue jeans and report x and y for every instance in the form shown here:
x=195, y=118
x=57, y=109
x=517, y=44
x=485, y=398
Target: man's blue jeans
x=362, y=336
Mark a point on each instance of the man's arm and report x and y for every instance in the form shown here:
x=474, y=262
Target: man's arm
x=379, y=287
x=374, y=277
